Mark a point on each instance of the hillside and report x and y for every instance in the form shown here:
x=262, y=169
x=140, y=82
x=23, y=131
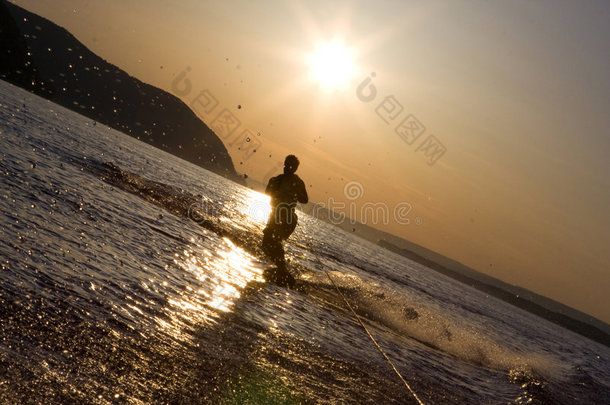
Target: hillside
x=46, y=59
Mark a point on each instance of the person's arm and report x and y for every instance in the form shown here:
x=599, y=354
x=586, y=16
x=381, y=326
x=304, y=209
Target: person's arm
x=302, y=195
x=270, y=189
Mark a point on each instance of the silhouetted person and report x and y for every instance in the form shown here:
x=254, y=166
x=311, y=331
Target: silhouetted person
x=285, y=191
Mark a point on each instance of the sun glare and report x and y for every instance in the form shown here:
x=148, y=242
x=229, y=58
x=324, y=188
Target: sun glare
x=258, y=207
x=331, y=65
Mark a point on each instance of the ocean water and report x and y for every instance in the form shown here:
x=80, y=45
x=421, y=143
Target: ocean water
x=130, y=276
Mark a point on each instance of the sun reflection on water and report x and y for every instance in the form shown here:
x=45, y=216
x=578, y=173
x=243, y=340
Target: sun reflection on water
x=257, y=207
x=220, y=276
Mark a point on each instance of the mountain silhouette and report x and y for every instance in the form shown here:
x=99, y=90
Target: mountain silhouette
x=44, y=58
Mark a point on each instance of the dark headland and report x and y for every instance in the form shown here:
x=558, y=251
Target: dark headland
x=45, y=59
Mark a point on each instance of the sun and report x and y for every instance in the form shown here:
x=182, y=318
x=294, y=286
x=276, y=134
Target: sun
x=331, y=65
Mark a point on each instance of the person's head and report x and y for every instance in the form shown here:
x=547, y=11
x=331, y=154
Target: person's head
x=291, y=163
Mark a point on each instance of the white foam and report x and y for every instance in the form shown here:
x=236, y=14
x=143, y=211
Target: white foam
x=444, y=331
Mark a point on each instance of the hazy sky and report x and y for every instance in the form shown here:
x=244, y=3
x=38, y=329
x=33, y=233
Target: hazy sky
x=516, y=93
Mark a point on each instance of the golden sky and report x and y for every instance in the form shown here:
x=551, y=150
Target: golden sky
x=516, y=93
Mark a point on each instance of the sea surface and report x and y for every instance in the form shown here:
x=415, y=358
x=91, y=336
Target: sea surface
x=131, y=276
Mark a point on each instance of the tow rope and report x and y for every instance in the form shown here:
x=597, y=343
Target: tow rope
x=383, y=353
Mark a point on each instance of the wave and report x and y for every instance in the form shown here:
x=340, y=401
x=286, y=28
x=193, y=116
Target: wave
x=178, y=202
x=390, y=309
x=428, y=326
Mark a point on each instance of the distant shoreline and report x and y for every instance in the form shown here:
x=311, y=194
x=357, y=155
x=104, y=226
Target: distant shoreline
x=565, y=321
x=546, y=308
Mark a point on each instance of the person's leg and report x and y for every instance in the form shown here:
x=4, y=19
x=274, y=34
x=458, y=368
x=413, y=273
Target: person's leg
x=274, y=233
x=272, y=245
x=283, y=277
x=289, y=226
x=272, y=241
x=268, y=234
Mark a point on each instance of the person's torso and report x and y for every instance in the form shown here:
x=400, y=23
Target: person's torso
x=286, y=189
